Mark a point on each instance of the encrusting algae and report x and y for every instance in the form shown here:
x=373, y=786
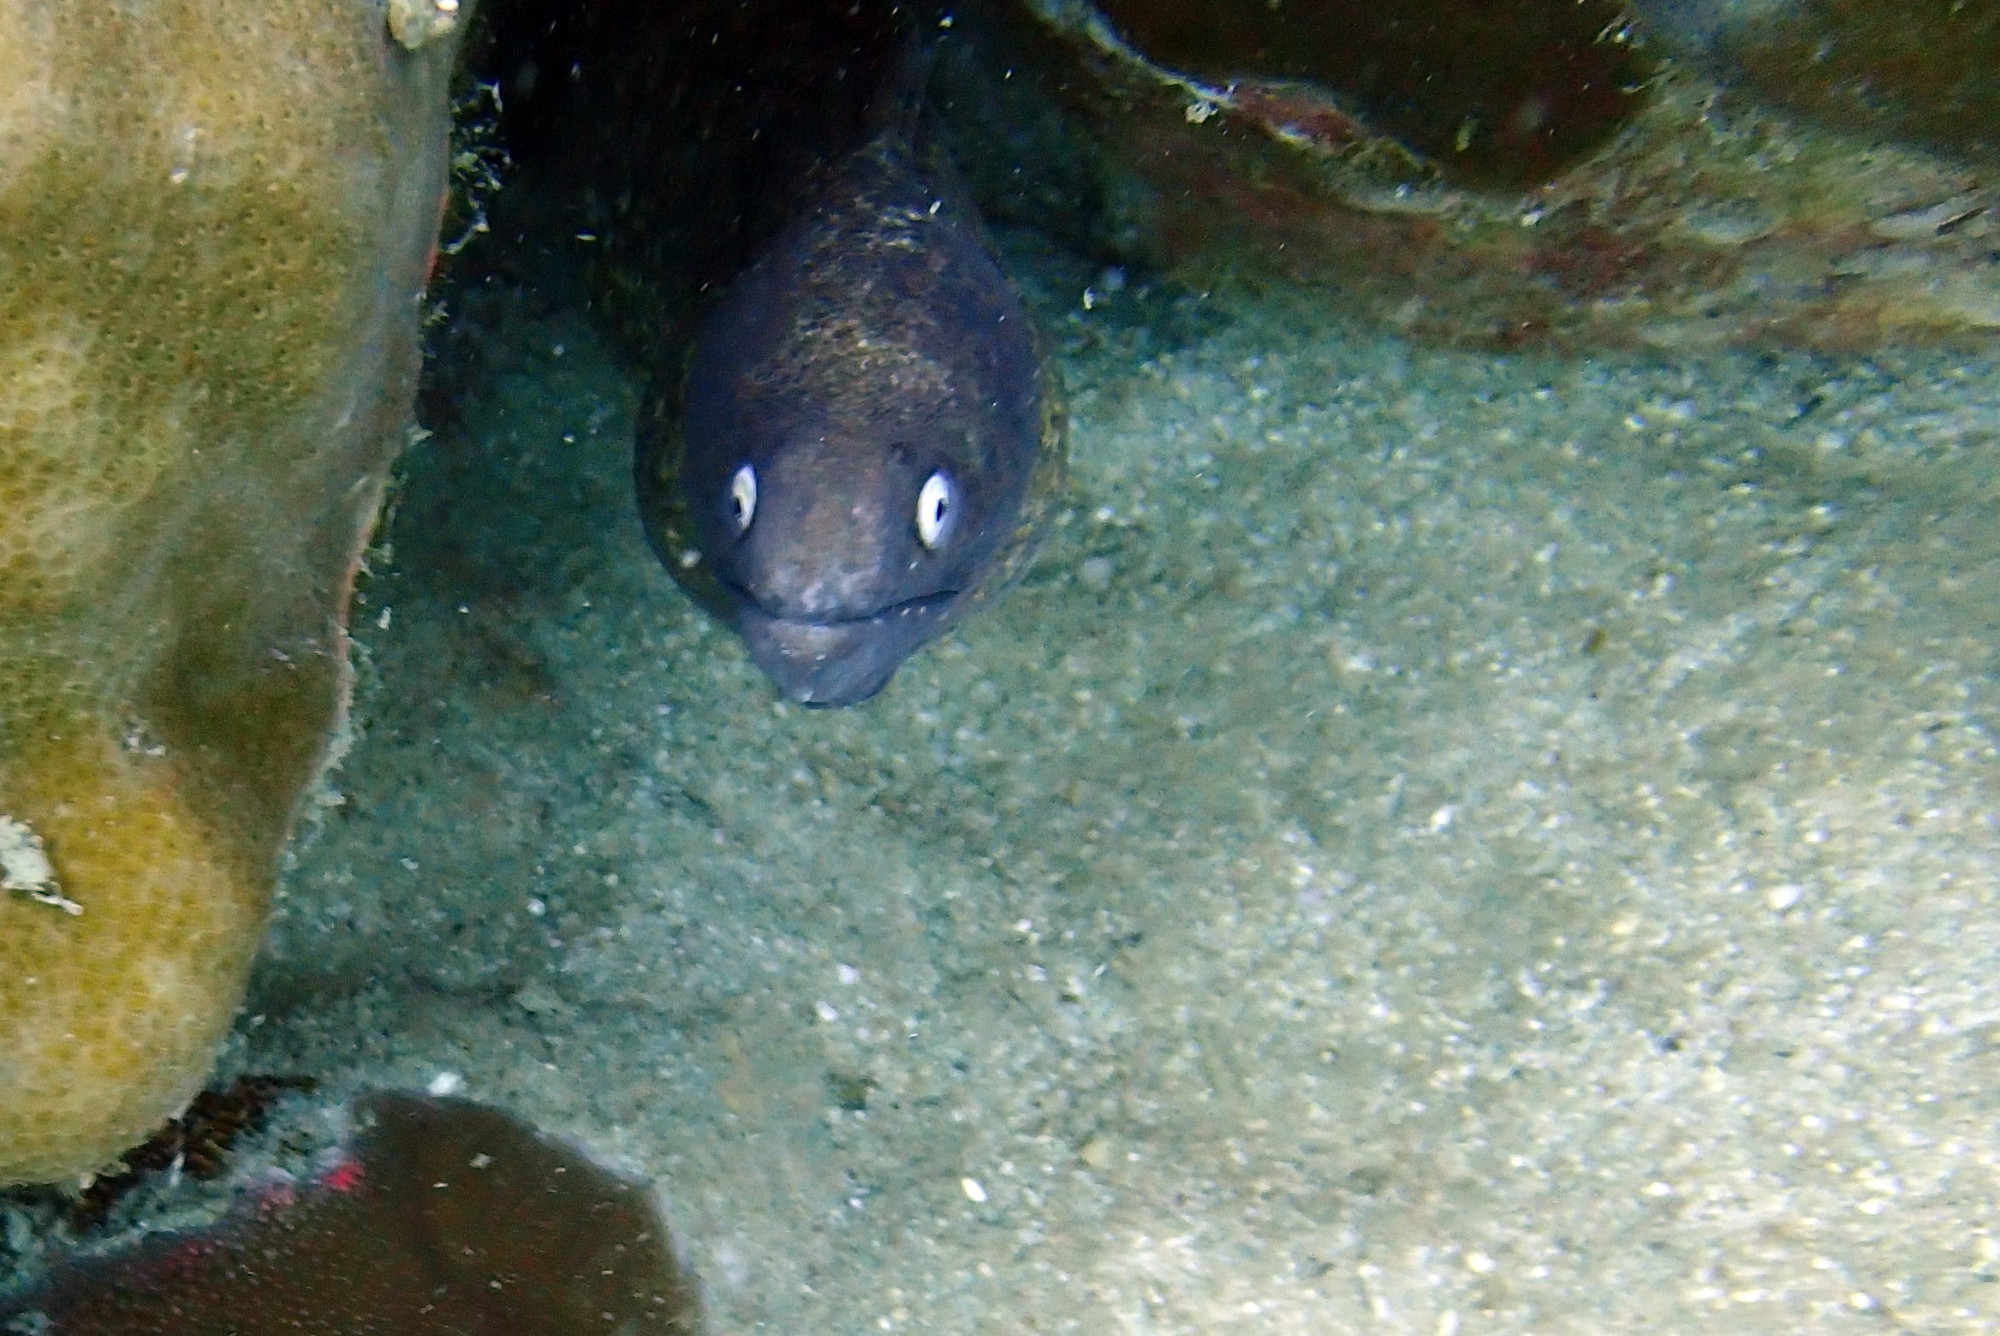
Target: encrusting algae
x=215, y=222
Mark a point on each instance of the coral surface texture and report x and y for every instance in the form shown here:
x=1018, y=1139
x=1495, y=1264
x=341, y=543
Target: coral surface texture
x=214, y=220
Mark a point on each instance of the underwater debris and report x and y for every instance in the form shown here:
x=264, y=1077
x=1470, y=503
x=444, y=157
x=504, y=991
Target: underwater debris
x=444, y=1217
x=479, y=165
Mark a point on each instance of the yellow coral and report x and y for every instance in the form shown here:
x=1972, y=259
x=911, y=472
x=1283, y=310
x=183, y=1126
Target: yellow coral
x=214, y=220
x=168, y=917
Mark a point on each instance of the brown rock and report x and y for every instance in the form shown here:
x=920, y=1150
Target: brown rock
x=1680, y=213
x=445, y=1218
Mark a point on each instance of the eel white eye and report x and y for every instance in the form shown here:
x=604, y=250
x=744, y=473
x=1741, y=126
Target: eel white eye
x=934, y=509
x=743, y=497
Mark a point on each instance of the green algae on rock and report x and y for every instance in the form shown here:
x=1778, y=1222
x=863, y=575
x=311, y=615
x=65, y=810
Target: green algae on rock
x=444, y=1218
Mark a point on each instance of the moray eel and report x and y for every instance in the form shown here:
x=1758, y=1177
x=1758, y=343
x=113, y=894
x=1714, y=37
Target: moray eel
x=864, y=439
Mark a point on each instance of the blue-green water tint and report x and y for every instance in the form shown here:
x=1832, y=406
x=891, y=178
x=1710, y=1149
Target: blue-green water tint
x=1438, y=842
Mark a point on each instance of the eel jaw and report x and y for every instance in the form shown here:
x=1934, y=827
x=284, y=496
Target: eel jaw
x=841, y=661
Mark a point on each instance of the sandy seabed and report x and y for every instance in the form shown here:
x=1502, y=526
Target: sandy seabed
x=1438, y=843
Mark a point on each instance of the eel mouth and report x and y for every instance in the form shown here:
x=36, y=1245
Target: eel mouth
x=840, y=660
